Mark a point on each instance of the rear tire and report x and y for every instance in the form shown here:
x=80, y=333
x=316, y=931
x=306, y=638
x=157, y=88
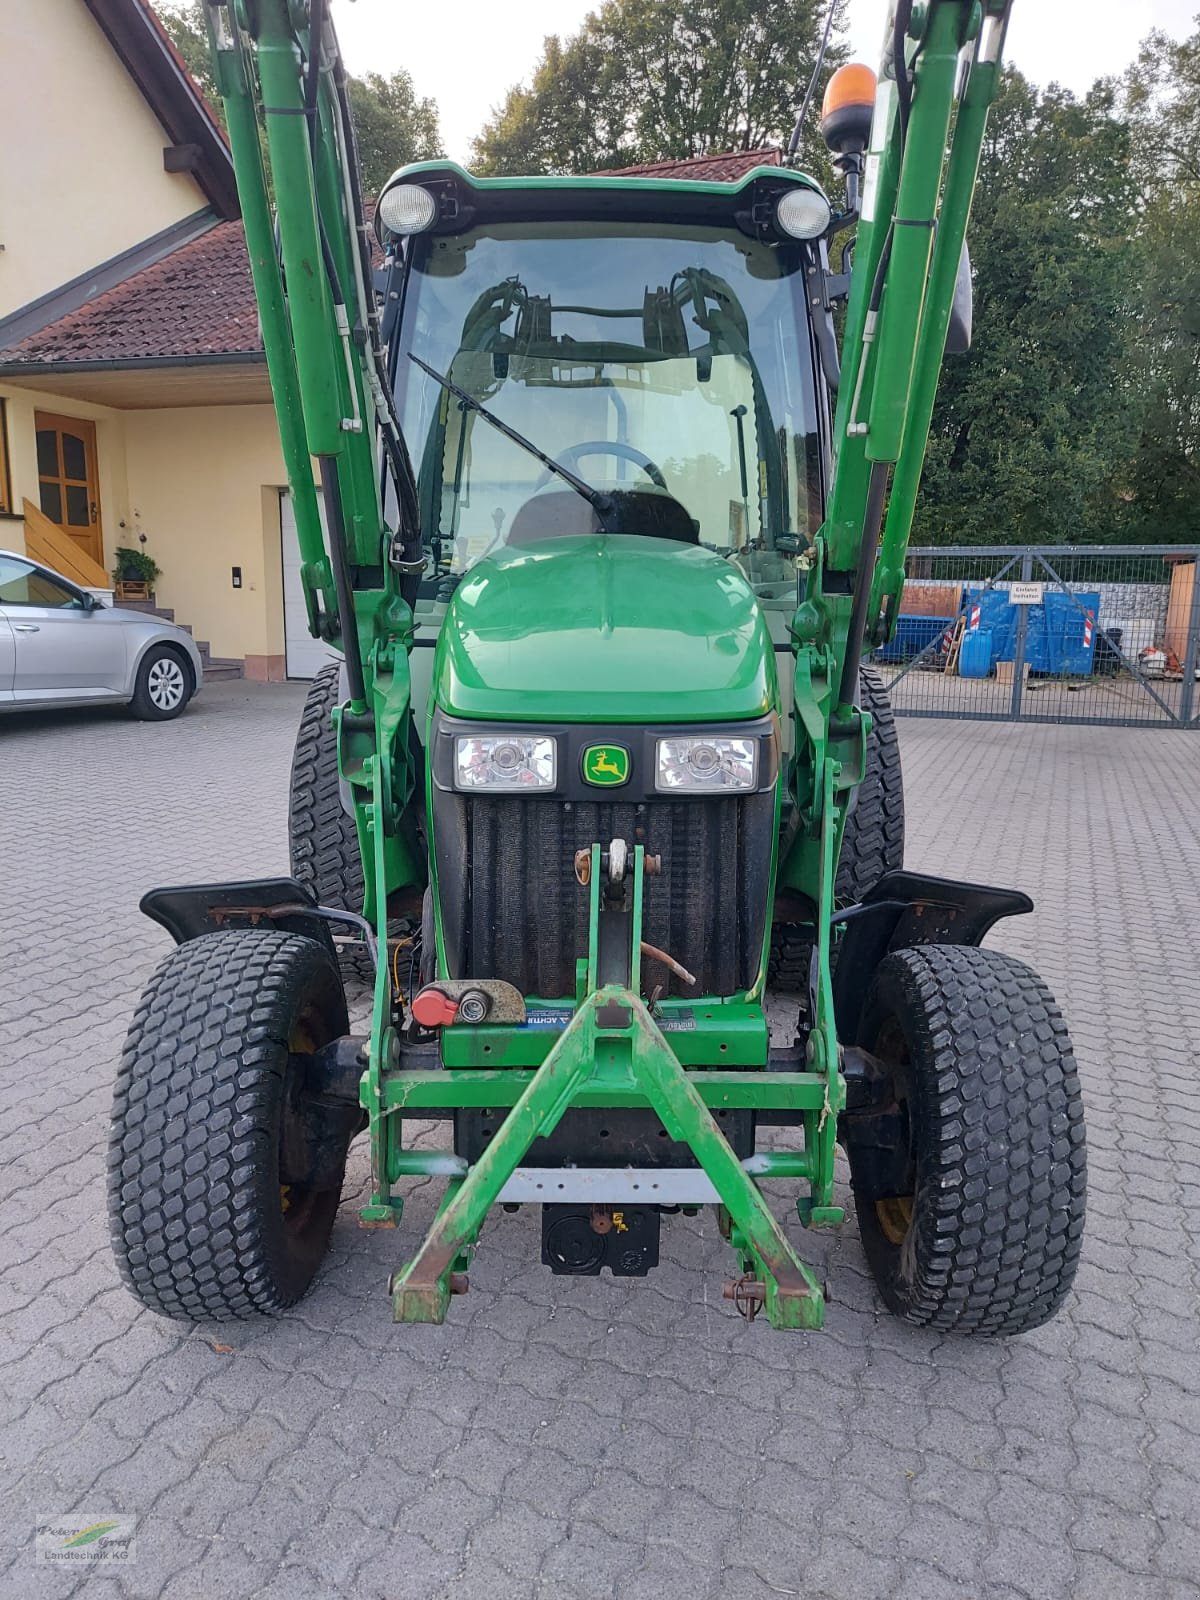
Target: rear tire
x=970, y=1186
x=206, y=1093
x=322, y=839
x=874, y=836
x=163, y=686
x=872, y=842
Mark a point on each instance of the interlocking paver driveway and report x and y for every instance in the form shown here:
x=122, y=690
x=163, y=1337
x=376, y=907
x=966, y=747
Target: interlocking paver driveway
x=601, y=1437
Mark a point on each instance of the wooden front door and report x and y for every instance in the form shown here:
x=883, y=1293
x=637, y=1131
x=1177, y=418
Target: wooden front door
x=67, y=479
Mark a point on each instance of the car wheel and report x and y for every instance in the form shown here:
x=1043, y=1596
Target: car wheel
x=164, y=685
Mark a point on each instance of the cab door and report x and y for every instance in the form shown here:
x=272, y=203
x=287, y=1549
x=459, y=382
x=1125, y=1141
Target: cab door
x=60, y=650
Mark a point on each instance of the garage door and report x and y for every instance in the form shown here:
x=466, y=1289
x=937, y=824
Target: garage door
x=304, y=655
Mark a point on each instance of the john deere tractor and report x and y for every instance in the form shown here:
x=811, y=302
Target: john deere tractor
x=605, y=519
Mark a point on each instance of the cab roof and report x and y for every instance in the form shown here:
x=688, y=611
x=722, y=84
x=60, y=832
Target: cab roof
x=466, y=200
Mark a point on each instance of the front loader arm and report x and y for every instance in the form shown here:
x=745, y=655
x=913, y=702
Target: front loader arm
x=939, y=77
x=284, y=90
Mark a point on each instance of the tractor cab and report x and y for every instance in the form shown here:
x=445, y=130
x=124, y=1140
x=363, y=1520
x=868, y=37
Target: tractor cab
x=579, y=357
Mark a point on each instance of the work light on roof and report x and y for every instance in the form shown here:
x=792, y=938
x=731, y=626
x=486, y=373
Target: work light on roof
x=407, y=208
x=802, y=214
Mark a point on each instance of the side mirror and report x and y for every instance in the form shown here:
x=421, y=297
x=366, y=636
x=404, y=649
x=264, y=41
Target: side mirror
x=88, y=602
x=958, y=333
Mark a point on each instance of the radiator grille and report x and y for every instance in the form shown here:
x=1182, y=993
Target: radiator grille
x=513, y=910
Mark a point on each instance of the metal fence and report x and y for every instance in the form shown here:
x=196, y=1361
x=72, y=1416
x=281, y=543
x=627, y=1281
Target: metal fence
x=1049, y=633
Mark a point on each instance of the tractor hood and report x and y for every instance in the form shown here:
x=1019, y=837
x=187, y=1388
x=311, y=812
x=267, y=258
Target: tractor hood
x=614, y=628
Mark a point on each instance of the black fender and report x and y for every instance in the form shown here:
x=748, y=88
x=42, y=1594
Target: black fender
x=189, y=912
x=905, y=909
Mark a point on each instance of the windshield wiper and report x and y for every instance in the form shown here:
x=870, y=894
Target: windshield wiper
x=602, y=504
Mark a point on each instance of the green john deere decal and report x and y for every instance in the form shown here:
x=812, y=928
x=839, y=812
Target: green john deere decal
x=606, y=765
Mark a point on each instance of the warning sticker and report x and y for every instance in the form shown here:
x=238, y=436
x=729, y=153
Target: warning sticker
x=554, y=1017
x=545, y=1017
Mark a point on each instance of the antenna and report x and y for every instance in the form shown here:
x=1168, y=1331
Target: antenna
x=797, y=131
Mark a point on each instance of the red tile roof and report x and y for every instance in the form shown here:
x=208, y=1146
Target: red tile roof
x=199, y=301
x=700, y=169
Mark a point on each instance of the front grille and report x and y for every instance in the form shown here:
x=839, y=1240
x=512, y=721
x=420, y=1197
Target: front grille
x=512, y=909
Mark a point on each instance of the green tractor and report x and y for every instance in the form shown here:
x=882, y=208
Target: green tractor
x=611, y=519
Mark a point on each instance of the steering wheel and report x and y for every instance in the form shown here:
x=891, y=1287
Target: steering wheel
x=609, y=447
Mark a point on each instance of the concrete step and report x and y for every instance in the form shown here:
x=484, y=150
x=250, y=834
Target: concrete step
x=215, y=667
x=147, y=607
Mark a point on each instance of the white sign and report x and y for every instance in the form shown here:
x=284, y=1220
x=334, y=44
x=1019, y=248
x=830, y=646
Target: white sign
x=1025, y=594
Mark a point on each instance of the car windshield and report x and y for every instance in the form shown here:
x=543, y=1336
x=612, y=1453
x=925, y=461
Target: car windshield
x=660, y=359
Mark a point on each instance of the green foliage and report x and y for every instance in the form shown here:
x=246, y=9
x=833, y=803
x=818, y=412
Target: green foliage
x=393, y=124
x=652, y=80
x=1029, y=425
x=1160, y=97
x=184, y=22
x=135, y=565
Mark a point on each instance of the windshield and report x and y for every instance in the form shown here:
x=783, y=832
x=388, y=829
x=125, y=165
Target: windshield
x=669, y=361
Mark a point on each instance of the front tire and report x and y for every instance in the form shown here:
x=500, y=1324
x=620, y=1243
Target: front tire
x=970, y=1184
x=206, y=1104
x=163, y=685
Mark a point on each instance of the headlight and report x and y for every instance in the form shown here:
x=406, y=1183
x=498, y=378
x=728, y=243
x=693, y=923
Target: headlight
x=706, y=764
x=802, y=214
x=505, y=761
x=407, y=208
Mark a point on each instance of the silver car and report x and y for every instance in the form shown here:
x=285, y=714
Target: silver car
x=60, y=646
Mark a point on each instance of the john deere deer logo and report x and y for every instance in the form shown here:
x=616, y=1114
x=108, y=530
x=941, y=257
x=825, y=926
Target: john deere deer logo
x=606, y=764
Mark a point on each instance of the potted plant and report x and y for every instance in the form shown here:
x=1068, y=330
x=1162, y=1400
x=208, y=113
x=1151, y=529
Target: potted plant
x=134, y=574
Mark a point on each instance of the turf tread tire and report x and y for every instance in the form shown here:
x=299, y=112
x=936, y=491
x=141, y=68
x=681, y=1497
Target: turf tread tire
x=872, y=843
x=998, y=1137
x=874, y=836
x=193, y=1161
x=322, y=838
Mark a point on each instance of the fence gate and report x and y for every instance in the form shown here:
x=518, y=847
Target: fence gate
x=1049, y=633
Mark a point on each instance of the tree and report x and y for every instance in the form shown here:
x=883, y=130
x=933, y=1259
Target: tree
x=1032, y=429
x=393, y=124
x=184, y=23
x=1160, y=98
x=650, y=80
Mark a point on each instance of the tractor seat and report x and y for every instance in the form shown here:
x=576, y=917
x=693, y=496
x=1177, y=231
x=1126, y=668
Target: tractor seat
x=561, y=513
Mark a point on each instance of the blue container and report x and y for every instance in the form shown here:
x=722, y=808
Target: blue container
x=1056, y=632
x=975, y=654
x=913, y=634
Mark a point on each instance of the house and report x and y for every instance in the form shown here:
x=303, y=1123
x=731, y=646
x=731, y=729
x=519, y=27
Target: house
x=134, y=403
x=135, y=408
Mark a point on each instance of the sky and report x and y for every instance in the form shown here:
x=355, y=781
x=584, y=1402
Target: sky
x=466, y=54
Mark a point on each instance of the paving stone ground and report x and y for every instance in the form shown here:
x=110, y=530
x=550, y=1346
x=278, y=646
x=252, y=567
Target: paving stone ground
x=600, y=1437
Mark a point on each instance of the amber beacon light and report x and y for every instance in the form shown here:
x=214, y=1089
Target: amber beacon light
x=847, y=108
